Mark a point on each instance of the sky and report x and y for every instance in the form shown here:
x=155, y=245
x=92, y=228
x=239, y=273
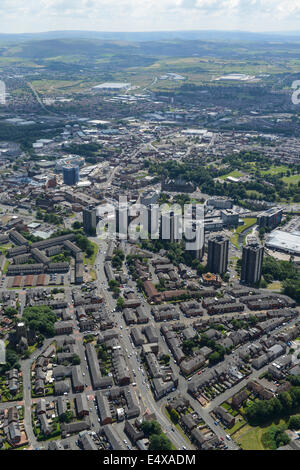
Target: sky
x=30, y=16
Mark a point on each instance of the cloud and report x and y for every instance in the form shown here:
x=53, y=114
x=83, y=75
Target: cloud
x=126, y=15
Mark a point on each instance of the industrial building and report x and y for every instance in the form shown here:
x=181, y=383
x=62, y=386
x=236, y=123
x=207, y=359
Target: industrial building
x=284, y=241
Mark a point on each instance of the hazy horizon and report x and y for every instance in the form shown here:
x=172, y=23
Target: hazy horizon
x=257, y=16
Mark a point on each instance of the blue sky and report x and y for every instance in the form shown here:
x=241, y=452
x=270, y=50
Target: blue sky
x=17, y=16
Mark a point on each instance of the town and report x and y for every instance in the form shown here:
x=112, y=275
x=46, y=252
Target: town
x=119, y=335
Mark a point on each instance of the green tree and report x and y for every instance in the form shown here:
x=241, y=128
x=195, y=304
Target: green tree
x=294, y=422
x=151, y=427
x=160, y=442
x=174, y=415
x=120, y=303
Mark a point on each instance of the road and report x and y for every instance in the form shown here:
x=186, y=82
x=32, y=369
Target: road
x=144, y=394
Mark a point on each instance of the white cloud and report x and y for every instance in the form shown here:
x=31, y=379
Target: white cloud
x=130, y=15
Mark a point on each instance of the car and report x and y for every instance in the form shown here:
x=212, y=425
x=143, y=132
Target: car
x=189, y=379
x=228, y=437
x=222, y=438
x=184, y=448
x=216, y=423
x=200, y=372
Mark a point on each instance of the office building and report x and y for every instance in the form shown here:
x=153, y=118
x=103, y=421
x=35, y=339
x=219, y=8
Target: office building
x=230, y=218
x=217, y=258
x=252, y=263
x=89, y=216
x=71, y=175
x=270, y=218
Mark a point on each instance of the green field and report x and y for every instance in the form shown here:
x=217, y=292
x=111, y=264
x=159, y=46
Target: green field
x=248, y=222
x=275, y=170
x=91, y=260
x=234, y=173
x=293, y=179
x=275, y=286
x=249, y=438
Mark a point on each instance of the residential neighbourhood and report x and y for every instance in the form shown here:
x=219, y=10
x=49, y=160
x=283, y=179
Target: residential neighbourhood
x=149, y=240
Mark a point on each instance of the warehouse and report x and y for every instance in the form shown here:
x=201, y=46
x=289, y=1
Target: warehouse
x=284, y=241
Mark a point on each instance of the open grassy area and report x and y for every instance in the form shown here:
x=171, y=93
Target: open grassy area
x=249, y=437
x=275, y=170
x=93, y=275
x=248, y=222
x=91, y=260
x=5, y=267
x=275, y=286
x=4, y=248
x=235, y=174
x=240, y=423
x=293, y=179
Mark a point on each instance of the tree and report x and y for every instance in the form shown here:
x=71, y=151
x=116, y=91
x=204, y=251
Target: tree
x=174, y=415
x=187, y=347
x=286, y=400
x=120, y=303
x=66, y=417
x=275, y=437
x=113, y=283
x=76, y=360
x=165, y=358
x=40, y=319
x=77, y=225
x=151, y=427
x=160, y=442
x=294, y=422
x=11, y=312
x=12, y=361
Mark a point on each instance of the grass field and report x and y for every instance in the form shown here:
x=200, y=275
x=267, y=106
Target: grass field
x=91, y=260
x=275, y=286
x=248, y=222
x=274, y=170
x=234, y=173
x=249, y=438
x=293, y=179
